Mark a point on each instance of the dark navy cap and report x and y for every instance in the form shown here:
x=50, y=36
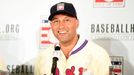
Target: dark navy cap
x=62, y=8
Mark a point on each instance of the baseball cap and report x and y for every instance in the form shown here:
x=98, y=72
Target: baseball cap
x=62, y=8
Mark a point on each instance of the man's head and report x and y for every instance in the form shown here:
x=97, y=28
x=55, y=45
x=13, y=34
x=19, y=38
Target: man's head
x=64, y=22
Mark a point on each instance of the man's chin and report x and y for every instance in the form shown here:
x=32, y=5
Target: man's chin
x=63, y=41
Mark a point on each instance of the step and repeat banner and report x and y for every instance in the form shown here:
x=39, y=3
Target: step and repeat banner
x=25, y=31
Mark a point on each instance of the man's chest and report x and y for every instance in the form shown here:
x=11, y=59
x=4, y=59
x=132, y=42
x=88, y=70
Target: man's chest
x=75, y=64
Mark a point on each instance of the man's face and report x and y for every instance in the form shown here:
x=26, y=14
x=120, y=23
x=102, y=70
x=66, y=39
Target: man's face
x=64, y=27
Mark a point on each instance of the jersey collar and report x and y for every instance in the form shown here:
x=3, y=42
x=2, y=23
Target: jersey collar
x=79, y=46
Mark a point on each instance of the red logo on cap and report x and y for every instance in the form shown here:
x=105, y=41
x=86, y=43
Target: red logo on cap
x=60, y=7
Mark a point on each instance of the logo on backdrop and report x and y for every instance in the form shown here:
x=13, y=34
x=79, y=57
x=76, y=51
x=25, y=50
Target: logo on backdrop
x=45, y=34
x=9, y=31
x=117, y=65
x=109, y=3
x=18, y=70
x=123, y=31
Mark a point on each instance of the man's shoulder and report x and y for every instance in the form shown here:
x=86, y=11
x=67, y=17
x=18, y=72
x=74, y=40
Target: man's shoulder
x=93, y=45
x=98, y=52
x=96, y=49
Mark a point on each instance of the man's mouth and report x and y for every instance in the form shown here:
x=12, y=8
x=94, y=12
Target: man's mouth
x=62, y=32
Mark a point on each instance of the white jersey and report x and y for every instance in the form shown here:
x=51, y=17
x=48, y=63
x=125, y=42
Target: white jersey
x=86, y=58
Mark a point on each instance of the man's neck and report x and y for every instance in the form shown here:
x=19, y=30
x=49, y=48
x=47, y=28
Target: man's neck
x=67, y=47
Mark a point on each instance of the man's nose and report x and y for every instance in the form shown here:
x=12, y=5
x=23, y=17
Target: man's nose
x=61, y=24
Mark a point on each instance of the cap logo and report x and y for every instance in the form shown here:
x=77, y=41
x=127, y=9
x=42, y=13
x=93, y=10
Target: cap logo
x=60, y=6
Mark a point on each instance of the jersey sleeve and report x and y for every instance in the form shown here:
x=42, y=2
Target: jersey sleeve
x=37, y=67
x=104, y=62
x=41, y=61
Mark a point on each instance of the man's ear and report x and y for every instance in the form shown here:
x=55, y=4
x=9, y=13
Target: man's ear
x=77, y=23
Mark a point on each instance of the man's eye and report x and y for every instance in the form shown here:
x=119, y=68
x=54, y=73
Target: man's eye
x=55, y=21
x=67, y=20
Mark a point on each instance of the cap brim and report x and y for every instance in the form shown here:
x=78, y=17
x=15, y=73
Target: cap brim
x=60, y=12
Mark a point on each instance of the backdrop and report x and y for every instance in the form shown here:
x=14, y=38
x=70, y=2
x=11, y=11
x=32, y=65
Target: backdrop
x=25, y=30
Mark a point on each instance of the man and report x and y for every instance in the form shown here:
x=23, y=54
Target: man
x=78, y=56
